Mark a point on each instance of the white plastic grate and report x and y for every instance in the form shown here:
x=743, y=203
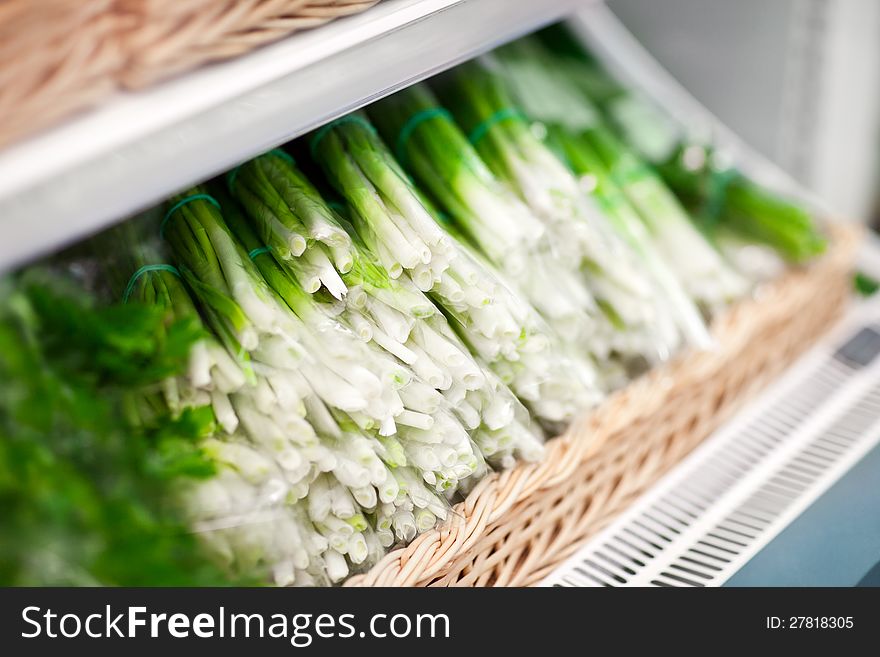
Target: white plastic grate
x=738, y=490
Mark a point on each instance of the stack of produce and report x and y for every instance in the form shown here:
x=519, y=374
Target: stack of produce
x=624, y=315
x=364, y=409
x=394, y=318
x=306, y=473
x=559, y=115
x=498, y=326
x=305, y=383
x=629, y=320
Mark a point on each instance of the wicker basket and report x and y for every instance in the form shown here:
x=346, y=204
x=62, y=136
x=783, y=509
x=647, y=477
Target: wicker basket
x=61, y=56
x=168, y=36
x=56, y=57
x=515, y=527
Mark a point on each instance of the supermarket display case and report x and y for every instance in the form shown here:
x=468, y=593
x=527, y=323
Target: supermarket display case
x=138, y=148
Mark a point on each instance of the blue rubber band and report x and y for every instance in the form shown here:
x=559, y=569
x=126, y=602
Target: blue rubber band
x=348, y=118
x=259, y=251
x=140, y=272
x=174, y=208
x=411, y=124
x=501, y=115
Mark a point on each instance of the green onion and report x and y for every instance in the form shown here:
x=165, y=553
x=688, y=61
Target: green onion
x=487, y=213
x=724, y=199
x=394, y=317
x=438, y=154
x=427, y=426
x=278, y=199
x=270, y=461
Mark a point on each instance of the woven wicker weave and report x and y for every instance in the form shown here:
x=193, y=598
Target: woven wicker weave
x=56, y=57
x=168, y=36
x=61, y=56
x=516, y=526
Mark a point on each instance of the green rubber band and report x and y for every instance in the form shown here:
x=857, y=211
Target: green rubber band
x=501, y=115
x=230, y=178
x=411, y=124
x=444, y=218
x=284, y=155
x=259, y=251
x=348, y=118
x=144, y=270
x=719, y=182
x=174, y=208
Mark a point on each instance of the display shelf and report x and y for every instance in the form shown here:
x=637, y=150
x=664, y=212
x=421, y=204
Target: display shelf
x=66, y=183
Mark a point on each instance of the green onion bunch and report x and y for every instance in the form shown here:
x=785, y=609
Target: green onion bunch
x=381, y=433
x=485, y=212
x=389, y=218
x=627, y=319
x=497, y=325
x=138, y=270
x=267, y=465
x=435, y=381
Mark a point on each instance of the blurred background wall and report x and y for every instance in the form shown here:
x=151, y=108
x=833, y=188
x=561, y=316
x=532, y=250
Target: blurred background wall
x=798, y=79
